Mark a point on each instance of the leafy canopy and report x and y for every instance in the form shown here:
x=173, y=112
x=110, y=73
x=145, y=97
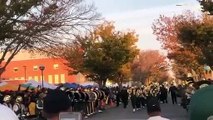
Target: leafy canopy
x=103, y=52
x=187, y=38
x=207, y=6
x=149, y=65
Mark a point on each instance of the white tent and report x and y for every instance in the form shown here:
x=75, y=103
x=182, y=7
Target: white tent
x=90, y=83
x=50, y=86
x=35, y=84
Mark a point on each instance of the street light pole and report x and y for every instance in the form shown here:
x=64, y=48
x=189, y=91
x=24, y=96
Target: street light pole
x=42, y=78
x=42, y=67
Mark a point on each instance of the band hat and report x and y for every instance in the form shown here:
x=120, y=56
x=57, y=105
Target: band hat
x=7, y=98
x=201, y=106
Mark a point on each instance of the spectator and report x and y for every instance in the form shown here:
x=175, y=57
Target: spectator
x=55, y=102
x=7, y=114
x=153, y=109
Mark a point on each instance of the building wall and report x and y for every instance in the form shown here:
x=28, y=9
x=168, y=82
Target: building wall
x=55, y=71
x=25, y=55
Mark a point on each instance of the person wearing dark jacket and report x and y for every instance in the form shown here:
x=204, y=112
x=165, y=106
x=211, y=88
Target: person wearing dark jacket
x=124, y=97
x=163, y=94
x=154, y=110
x=118, y=96
x=173, y=91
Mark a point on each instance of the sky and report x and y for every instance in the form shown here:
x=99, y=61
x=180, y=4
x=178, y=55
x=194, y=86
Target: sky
x=139, y=15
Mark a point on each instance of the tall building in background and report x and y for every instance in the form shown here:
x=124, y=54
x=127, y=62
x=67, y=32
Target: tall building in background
x=25, y=67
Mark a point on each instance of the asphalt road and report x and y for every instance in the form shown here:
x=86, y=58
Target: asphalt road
x=173, y=112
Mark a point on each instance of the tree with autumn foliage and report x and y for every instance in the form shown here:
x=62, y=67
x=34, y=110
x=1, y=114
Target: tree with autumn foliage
x=40, y=24
x=101, y=54
x=149, y=66
x=199, y=35
x=124, y=74
x=187, y=38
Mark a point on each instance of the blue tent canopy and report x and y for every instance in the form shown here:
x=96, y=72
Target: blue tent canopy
x=71, y=85
x=88, y=86
x=27, y=85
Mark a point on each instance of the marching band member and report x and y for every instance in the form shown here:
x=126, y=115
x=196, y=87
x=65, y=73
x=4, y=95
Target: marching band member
x=7, y=101
x=143, y=97
x=39, y=104
x=19, y=107
x=138, y=102
x=133, y=99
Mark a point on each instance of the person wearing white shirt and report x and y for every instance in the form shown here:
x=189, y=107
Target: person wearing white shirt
x=6, y=113
x=157, y=118
x=153, y=109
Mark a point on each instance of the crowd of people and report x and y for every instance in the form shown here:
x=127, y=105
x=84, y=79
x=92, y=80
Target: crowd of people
x=139, y=96
x=42, y=103
x=29, y=103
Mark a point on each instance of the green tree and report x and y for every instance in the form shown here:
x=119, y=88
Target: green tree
x=40, y=24
x=103, y=52
x=207, y=6
x=199, y=35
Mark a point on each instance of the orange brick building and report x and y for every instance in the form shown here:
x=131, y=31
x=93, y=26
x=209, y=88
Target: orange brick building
x=28, y=69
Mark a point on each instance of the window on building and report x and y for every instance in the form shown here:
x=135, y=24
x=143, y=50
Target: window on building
x=35, y=68
x=15, y=69
x=50, y=79
x=36, y=78
x=30, y=78
x=56, y=79
x=55, y=66
x=62, y=78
